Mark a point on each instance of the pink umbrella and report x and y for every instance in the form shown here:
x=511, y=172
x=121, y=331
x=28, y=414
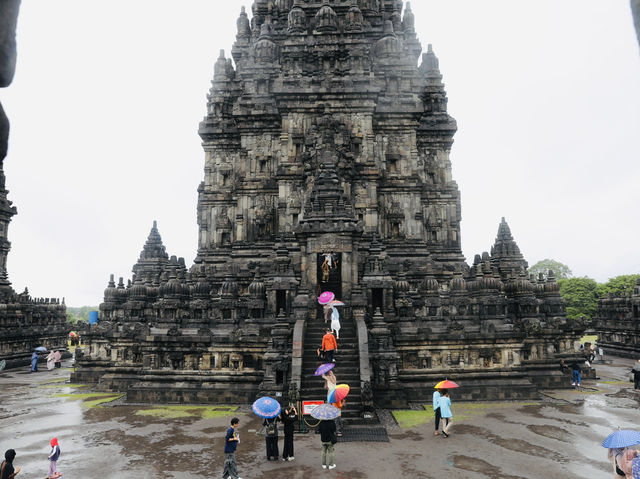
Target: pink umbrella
x=335, y=302
x=325, y=297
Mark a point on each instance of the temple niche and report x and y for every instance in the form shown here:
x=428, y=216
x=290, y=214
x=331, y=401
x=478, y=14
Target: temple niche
x=327, y=133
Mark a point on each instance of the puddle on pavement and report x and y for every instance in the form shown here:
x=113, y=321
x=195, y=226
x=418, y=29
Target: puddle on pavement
x=474, y=464
x=552, y=432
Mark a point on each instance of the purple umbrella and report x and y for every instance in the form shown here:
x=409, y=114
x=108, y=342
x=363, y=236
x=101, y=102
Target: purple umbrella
x=324, y=368
x=266, y=407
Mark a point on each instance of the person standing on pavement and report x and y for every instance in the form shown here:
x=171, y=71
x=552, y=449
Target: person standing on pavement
x=7, y=471
x=436, y=410
x=230, y=443
x=34, y=362
x=445, y=411
x=58, y=359
x=271, y=437
x=53, y=457
x=328, y=438
x=577, y=377
x=329, y=346
x=636, y=375
x=289, y=417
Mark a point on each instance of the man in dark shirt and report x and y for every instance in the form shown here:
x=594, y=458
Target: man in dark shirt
x=328, y=437
x=230, y=443
x=8, y=472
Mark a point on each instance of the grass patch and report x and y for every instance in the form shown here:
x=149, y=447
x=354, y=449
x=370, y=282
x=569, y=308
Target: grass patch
x=591, y=338
x=461, y=412
x=411, y=418
x=173, y=412
x=59, y=385
x=55, y=381
x=91, y=399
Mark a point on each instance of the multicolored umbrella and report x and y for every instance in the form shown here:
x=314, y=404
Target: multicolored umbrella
x=324, y=368
x=339, y=393
x=325, y=411
x=623, y=438
x=325, y=297
x=335, y=302
x=446, y=384
x=266, y=407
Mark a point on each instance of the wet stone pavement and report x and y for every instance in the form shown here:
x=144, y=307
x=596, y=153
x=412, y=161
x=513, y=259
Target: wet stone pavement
x=101, y=437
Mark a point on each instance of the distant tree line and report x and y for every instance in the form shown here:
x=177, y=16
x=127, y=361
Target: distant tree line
x=582, y=294
x=81, y=314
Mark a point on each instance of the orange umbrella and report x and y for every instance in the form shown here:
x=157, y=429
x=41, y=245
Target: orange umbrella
x=446, y=384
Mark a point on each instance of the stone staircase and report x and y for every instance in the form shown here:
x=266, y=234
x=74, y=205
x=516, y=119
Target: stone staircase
x=347, y=370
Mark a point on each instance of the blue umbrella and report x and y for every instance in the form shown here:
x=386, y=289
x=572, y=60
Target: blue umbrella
x=624, y=438
x=324, y=368
x=40, y=349
x=325, y=411
x=266, y=407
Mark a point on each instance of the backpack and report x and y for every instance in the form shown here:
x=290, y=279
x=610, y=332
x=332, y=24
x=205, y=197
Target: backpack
x=271, y=428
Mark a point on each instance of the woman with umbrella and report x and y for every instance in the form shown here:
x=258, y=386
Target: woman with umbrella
x=623, y=459
x=34, y=362
x=327, y=427
x=269, y=409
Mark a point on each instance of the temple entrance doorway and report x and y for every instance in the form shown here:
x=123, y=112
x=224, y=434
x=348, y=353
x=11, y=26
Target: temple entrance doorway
x=329, y=273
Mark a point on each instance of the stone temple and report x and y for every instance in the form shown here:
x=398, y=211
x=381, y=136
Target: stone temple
x=327, y=135
x=25, y=322
x=617, y=323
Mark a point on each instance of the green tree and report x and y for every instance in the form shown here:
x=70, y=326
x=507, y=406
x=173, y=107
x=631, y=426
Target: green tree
x=581, y=296
x=562, y=271
x=622, y=285
x=79, y=314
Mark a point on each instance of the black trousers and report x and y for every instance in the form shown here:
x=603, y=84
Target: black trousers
x=272, y=447
x=328, y=355
x=287, y=449
x=437, y=411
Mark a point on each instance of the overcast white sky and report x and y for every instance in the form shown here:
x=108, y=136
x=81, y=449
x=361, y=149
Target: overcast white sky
x=107, y=97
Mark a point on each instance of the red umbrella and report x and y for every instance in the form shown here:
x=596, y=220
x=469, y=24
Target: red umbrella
x=446, y=384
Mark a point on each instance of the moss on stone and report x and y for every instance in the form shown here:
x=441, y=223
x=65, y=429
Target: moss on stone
x=172, y=412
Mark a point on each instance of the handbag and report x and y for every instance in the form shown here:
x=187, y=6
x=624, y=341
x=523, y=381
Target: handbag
x=334, y=437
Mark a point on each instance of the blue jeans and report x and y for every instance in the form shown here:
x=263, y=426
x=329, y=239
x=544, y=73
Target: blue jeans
x=576, y=377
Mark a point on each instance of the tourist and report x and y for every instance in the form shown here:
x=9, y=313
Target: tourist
x=34, y=362
x=577, y=377
x=330, y=383
x=230, y=443
x=289, y=417
x=327, y=309
x=7, y=471
x=328, y=438
x=271, y=437
x=329, y=346
x=436, y=410
x=335, y=322
x=53, y=458
x=636, y=375
x=51, y=360
x=445, y=411
x=625, y=462
x=58, y=359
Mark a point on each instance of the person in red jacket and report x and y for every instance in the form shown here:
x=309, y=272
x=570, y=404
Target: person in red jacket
x=329, y=346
